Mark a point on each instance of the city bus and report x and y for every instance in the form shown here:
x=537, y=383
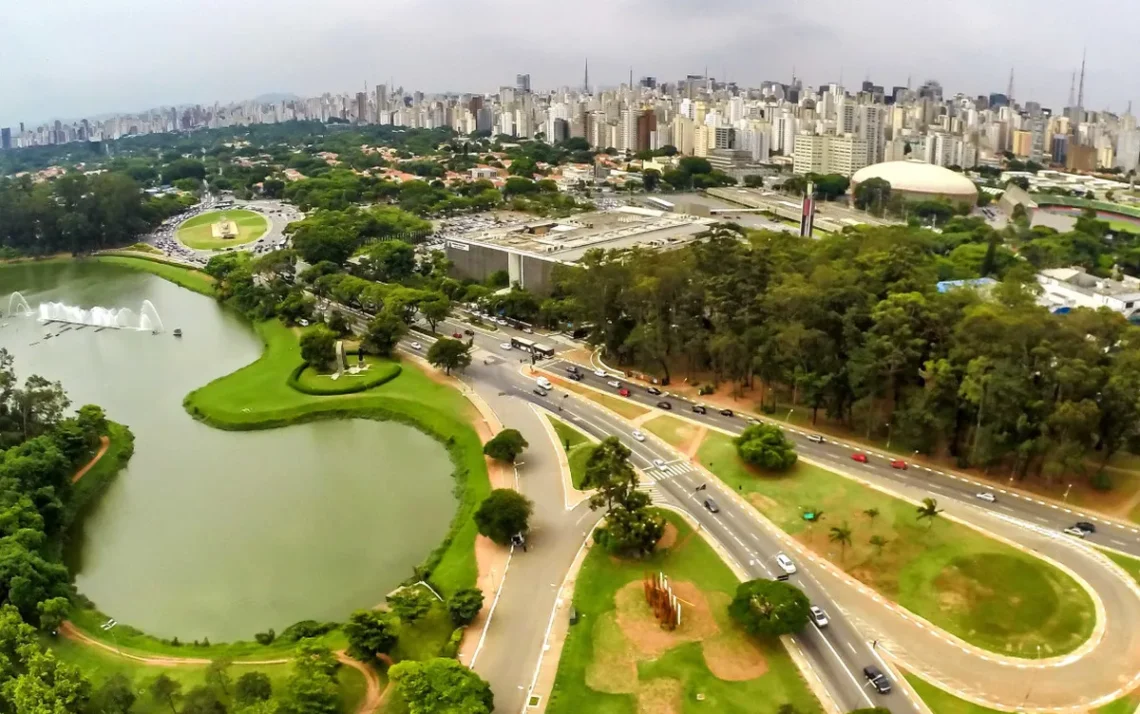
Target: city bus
x=539, y=351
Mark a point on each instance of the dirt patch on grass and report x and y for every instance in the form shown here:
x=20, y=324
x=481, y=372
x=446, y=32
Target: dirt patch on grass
x=660, y=696
x=639, y=625
x=762, y=502
x=669, y=537
x=734, y=658
x=957, y=592
x=613, y=668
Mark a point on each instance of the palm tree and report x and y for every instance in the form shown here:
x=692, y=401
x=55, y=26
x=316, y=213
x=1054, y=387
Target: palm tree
x=928, y=510
x=877, y=542
x=871, y=513
x=841, y=534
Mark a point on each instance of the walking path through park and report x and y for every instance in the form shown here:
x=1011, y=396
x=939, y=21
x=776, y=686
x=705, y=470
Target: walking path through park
x=368, y=705
x=104, y=442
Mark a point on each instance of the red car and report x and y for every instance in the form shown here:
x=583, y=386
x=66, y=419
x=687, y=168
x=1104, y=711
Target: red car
x=898, y=464
x=457, y=335
x=624, y=392
x=861, y=458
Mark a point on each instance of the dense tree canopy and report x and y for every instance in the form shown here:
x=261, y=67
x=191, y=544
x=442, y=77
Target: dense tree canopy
x=769, y=607
x=504, y=513
x=441, y=685
x=505, y=446
x=77, y=213
x=631, y=528
x=853, y=326
x=767, y=447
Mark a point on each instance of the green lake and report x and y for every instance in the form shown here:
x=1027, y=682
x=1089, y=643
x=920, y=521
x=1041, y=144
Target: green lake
x=219, y=534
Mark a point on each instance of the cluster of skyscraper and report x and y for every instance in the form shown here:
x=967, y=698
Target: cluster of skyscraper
x=823, y=130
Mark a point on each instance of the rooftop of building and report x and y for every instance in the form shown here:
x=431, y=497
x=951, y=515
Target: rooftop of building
x=1127, y=288
x=568, y=239
x=918, y=177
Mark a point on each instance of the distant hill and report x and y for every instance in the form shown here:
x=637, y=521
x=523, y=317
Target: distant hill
x=275, y=97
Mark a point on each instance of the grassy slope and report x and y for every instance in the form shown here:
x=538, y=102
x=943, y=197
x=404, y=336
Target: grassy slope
x=197, y=232
x=578, y=448
x=691, y=559
x=95, y=481
x=188, y=278
x=257, y=397
x=942, y=702
x=985, y=592
x=100, y=665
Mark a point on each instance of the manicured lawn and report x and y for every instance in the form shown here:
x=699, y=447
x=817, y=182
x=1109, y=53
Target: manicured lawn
x=100, y=665
x=604, y=671
x=258, y=396
x=578, y=448
x=1130, y=565
x=941, y=702
x=380, y=370
x=425, y=638
x=197, y=232
x=188, y=278
x=985, y=592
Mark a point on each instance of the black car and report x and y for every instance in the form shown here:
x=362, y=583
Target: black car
x=700, y=409
x=653, y=390
x=664, y=405
x=726, y=412
x=575, y=376
x=877, y=679
x=540, y=391
x=1085, y=526
x=711, y=505
x=469, y=332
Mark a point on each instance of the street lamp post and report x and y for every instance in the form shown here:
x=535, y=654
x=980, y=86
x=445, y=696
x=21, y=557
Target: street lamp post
x=1068, y=488
x=890, y=428
x=788, y=418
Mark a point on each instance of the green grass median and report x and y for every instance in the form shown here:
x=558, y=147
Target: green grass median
x=617, y=660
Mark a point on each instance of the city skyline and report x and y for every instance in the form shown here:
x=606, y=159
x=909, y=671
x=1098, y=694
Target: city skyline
x=225, y=53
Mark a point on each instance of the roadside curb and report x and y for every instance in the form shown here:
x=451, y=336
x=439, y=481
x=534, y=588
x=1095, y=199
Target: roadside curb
x=546, y=669
x=563, y=459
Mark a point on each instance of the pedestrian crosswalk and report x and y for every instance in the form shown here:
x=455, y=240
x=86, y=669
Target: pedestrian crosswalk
x=665, y=471
x=650, y=486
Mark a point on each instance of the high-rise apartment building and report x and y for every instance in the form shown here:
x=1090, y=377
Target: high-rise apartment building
x=829, y=154
x=5, y=138
x=361, y=108
x=1128, y=150
x=646, y=129
x=522, y=83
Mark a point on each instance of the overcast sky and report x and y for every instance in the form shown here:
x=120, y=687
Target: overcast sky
x=71, y=58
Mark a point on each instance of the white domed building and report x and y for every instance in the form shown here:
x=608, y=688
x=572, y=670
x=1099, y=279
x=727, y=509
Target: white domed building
x=917, y=180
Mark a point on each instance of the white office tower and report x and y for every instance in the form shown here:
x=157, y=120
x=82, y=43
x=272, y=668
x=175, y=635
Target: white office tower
x=507, y=123
x=1127, y=149
x=735, y=109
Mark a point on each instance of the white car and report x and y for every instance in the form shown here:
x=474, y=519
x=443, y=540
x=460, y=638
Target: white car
x=986, y=496
x=819, y=617
x=614, y=383
x=785, y=563
x=528, y=331
x=501, y=321
x=1074, y=531
x=815, y=438
x=505, y=346
x=600, y=373
x=659, y=463
x=637, y=435
x=416, y=346
x=544, y=383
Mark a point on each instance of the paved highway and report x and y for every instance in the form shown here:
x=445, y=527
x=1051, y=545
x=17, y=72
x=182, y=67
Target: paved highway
x=1104, y=668
x=839, y=652
x=836, y=653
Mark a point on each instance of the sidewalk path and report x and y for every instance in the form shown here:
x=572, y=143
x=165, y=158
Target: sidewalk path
x=104, y=443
